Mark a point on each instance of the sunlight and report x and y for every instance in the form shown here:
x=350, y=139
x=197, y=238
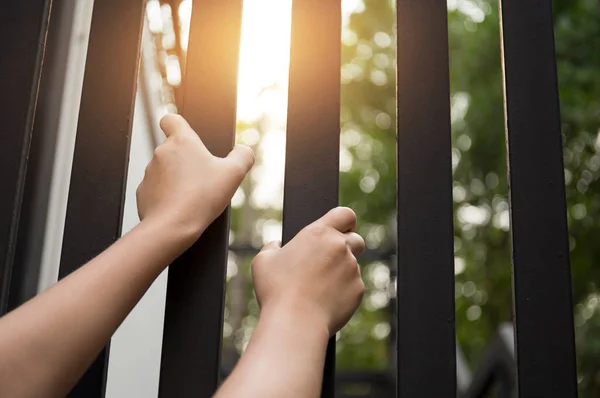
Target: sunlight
x=262, y=94
x=264, y=53
x=262, y=86
x=265, y=56
x=264, y=59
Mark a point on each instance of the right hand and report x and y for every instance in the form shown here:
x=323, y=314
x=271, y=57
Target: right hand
x=315, y=275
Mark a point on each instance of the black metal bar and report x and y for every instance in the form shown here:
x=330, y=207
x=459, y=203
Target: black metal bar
x=313, y=126
x=23, y=27
x=191, y=349
x=96, y=193
x=426, y=337
x=540, y=252
x=34, y=211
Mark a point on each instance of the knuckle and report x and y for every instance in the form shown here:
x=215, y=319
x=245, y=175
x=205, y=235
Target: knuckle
x=360, y=243
x=245, y=153
x=148, y=168
x=259, y=258
x=258, y=261
x=180, y=139
x=360, y=289
x=353, y=263
x=317, y=229
x=159, y=152
x=237, y=170
x=251, y=155
x=147, y=175
x=338, y=244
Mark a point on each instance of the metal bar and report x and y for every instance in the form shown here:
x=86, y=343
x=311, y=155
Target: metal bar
x=313, y=126
x=34, y=211
x=426, y=336
x=95, y=205
x=540, y=251
x=23, y=25
x=192, y=337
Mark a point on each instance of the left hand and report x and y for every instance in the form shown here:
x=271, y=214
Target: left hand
x=185, y=185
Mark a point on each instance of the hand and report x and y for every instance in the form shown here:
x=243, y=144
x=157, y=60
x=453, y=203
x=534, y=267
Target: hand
x=185, y=185
x=316, y=274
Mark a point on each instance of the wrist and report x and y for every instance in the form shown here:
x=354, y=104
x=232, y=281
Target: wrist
x=176, y=236
x=297, y=314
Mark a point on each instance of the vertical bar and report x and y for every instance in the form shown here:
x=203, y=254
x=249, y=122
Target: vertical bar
x=23, y=27
x=192, y=337
x=313, y=126
x=540, y=251
x=43, y=150
x=96, y=192
x=426, y=337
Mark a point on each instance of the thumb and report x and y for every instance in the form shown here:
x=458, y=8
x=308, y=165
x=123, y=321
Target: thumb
x=274, y=245
x=242, y=156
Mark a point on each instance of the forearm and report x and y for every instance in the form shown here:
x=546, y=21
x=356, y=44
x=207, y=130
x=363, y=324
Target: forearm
x=284, y=358
x=47, y=343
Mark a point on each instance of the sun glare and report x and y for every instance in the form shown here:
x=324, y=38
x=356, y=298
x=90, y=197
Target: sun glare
x=262, y=86
x=264, y=58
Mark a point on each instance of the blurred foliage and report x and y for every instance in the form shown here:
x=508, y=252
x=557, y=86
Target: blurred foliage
x=482, y=244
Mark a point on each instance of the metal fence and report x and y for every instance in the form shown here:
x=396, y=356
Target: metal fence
x=426, y=358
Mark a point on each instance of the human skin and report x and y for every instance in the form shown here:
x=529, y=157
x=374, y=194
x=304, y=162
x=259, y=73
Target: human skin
x=308, y=290
x=47, y=343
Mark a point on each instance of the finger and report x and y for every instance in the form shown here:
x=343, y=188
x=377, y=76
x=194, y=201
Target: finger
x=274, y=245
x=173, y=124
x=243, y=157
x=341, y=218
x=355, y=242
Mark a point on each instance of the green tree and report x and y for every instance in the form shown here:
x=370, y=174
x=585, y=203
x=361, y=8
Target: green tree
x=482, y=250
x=482, y=245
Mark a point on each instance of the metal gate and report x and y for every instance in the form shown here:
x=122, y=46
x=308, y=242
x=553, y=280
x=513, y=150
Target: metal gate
x=544, y=337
